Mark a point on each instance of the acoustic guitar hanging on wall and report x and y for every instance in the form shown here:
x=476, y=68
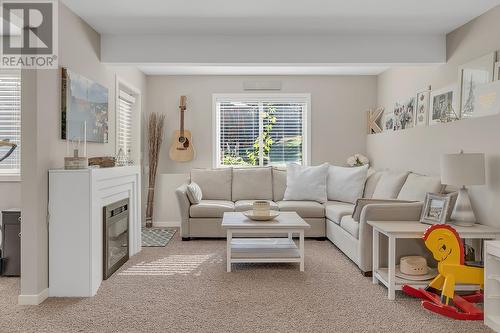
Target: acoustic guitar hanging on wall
x=181, y=149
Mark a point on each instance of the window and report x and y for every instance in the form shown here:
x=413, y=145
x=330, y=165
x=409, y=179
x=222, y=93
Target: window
x=124, y=121
x=253, y=130
x=10, y=122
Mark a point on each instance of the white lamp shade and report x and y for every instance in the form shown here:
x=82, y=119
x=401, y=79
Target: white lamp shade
x=463, y=169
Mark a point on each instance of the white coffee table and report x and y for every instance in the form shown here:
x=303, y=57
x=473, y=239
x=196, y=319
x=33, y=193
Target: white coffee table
x=261, y=248
x=394, y=230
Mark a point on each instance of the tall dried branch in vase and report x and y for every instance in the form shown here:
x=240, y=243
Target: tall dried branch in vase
x=155, y=138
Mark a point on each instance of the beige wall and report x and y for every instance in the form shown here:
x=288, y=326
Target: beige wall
x=419, y=149
x=338, y=112
x=338, y=120
x=42, y=147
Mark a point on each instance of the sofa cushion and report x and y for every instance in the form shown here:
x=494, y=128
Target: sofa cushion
x=252, y=183
x=371, y=182
x=417, y=186
x=279, y=184
x=211, y=208
x=306, y=182
x=215, y=184
x=348, y=224
x=389, y=185
x=335, y=210
x=303, y=208
x=244, y=205
x=346, y=184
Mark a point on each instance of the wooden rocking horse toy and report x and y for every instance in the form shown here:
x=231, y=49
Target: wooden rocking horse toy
x=440, y=297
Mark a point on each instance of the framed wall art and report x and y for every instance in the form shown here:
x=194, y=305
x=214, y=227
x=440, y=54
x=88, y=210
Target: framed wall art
x=487, y=99
x=404, y=114
x=83, y=101
x=471, y=76
x=443, y=105
x=422, y=107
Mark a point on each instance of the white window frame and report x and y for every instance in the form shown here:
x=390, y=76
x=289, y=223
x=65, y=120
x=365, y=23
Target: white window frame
x=5, y=175
x=121, y=84
x=275, y=97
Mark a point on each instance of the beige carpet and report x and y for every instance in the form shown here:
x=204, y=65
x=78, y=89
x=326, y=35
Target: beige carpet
x=193, y=293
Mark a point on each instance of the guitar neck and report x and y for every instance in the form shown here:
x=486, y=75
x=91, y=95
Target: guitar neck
x=182, y=107
x=182, y=122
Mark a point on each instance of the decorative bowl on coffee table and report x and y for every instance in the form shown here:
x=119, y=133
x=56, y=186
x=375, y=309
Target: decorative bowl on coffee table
x=251, y=214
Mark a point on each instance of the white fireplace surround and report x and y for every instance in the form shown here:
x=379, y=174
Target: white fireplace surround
x=76, y=201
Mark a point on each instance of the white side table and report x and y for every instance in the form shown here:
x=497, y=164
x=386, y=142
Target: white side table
x=413, y=230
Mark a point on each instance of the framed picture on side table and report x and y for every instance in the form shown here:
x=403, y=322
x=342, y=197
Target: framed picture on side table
x=437, y=208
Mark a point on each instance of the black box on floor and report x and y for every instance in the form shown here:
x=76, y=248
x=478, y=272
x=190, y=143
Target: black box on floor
x=10, y=261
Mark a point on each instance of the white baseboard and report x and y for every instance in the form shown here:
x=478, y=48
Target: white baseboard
x=33, y=299
x=166, y=224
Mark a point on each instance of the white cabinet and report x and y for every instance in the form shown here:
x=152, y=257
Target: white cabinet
x=492, y=285
x=76, y=201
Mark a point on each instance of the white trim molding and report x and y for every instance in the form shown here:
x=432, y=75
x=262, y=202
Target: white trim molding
x=272, y=97
x=121, y=84
x=33, y=299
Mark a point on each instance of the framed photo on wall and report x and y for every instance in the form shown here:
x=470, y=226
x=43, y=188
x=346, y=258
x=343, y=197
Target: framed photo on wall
x=443, y=105
x=422, y=107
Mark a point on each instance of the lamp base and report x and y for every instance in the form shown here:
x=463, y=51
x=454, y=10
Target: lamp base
x=462, y=214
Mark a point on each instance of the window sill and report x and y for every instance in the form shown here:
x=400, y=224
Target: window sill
x=10, y=178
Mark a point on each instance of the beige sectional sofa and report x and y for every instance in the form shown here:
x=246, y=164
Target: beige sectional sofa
x=235, y=189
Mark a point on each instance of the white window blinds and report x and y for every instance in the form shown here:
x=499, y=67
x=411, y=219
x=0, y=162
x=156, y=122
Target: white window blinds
x=124, y=121
x=10, y=122
x=254, y=131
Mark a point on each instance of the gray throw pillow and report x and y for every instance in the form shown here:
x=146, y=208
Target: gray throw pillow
x=194, y=193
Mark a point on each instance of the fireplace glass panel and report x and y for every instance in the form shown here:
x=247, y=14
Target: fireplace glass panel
x=116, y=221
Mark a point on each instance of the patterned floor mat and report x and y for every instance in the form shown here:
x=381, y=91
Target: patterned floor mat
x=156, y=237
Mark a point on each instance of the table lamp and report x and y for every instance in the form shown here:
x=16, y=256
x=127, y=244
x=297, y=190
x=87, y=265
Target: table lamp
x=461, y=170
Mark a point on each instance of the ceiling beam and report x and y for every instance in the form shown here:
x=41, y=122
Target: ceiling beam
x=319, y=49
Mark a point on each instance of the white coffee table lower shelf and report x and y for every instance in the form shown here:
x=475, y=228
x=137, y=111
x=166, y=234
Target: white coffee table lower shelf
x=255, y=249
x=264, y=250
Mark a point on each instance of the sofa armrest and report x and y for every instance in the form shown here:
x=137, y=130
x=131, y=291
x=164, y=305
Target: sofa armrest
x=392, y=212
x=382, y=212
x=184, y=205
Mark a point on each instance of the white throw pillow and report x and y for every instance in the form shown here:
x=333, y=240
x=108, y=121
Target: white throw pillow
x=346, y=184
x=389, y=185
x=194, y=193
x=416, y=187
x=306, y=182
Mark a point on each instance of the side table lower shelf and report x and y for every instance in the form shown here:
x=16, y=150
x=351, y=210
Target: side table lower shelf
x=382, y=275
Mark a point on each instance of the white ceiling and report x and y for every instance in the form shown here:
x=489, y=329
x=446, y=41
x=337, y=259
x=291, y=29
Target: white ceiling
x=277, y=16
x=352, y=20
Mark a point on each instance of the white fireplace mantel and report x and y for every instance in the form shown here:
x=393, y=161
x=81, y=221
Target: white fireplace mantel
x=76, y=201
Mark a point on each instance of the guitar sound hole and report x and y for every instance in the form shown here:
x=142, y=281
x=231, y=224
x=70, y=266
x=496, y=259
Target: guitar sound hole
x=182, y=139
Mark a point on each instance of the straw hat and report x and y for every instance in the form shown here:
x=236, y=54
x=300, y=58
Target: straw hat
x=415, y=268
